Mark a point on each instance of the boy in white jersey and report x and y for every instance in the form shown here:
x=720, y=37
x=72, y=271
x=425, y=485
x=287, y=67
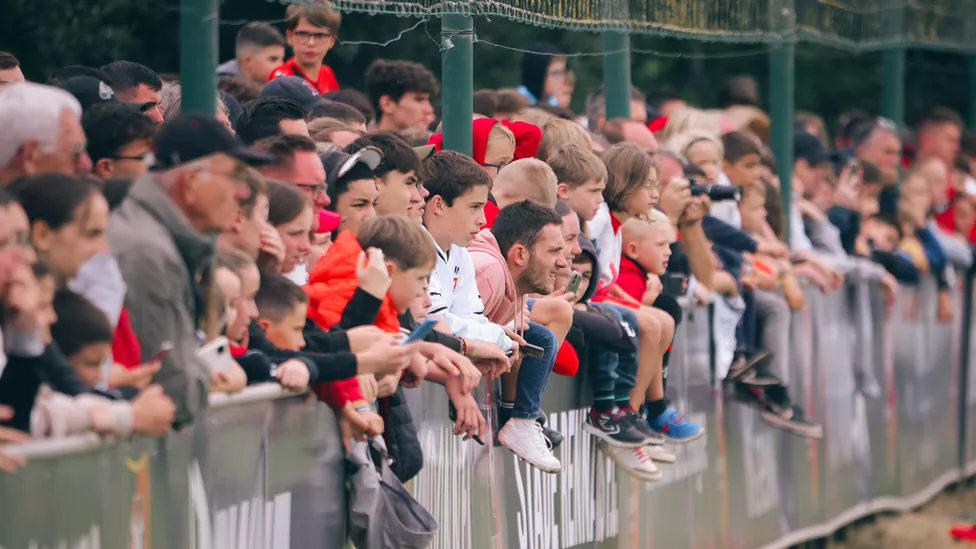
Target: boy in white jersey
x=454, y=214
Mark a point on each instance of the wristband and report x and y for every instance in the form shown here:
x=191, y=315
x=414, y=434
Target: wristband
x=464, y=347
x=364, y=408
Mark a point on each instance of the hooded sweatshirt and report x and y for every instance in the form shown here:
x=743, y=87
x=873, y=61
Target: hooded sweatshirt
x=527, y=139
x=495, y=282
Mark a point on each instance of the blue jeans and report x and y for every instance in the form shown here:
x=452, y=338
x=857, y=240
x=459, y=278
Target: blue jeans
x=626, y=374
x=533, y=374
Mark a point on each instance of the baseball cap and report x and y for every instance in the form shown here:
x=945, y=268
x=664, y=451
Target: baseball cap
x=189, y=136
x=338, y=163
x=810, y=148
x=295, y=88
x=328, y=221
x=88, y=90
x=425, y=151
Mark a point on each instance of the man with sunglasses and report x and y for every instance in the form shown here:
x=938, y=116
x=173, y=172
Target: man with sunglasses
x=311, y=31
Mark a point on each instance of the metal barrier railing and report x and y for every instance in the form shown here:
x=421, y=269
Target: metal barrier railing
x=265, y=468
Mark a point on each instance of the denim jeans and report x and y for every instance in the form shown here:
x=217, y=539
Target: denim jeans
x=626, y=372
x=533, y=374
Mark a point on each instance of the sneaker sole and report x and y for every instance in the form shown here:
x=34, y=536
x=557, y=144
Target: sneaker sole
x=597, y=433
x=644, y=476
x=750, y=366
x=692, y=438
x=660, y=455
x=798, y=429
x=539, y=466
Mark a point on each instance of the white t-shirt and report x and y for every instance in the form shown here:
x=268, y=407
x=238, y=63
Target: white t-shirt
x=453, y=287
x=609, y=244
x=298, y=275
x=726, y=210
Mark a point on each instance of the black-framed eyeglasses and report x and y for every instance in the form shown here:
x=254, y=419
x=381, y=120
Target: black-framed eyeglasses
x=498, y=166
x=307, y=37
x=312, y=188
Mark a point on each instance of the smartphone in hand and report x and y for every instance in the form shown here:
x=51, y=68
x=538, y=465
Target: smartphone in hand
x=422, y=331
x=164, y=349
x=574, y=282
x=532, y=351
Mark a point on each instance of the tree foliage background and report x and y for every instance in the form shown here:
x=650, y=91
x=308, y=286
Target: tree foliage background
x=46, y=34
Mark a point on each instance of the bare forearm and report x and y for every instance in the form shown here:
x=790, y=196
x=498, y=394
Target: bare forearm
x=699, y=253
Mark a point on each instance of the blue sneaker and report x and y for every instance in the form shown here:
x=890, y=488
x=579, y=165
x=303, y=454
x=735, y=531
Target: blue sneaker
x=672, y=426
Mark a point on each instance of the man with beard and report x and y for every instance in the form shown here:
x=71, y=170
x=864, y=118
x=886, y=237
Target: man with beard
x=520, y=255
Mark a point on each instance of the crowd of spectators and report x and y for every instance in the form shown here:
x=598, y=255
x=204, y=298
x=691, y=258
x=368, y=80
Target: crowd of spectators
x=151, y=257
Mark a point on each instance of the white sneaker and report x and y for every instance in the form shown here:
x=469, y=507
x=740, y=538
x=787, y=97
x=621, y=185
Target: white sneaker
x=633, y=461
x=525, y=439
x=658, y=453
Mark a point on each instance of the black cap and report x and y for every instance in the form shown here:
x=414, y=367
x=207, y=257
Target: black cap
x=295, y=88
x=338, y=163
x=810, y=148
x=189, y=136
x=88, y=90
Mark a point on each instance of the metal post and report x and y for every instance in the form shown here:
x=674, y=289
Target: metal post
x=199, y=23
x=616, y=74
x=457, y=74
x=971, y=113
x=781, y=112
x=893, y=65
x=893, y=84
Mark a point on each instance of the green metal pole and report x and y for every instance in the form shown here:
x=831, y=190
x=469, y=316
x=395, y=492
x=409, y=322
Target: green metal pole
x=199, y=23
x=616, y=74
x=893, y=66
x=457, y=73
x=893, y=84
x=971, y=114
x=782, y=111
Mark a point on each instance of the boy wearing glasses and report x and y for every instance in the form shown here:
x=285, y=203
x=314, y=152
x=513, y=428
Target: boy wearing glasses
x=311, y=31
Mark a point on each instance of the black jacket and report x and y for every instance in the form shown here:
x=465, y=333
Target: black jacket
x=322, y=366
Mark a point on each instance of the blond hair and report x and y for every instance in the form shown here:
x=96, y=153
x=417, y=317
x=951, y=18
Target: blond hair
x=321, y=129
x=500, y=133
x=527, y=178
x=575, y=166
x=628, y=168
x=681, y=142
x=750, y=119
x=534, y=115
x=690, y=119
x=636, y=229
x=558, y=133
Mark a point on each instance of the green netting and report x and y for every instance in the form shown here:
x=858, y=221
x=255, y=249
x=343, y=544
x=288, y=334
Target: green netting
x=856, y=24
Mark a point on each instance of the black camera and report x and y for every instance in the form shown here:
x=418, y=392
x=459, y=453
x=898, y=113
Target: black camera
x=717, y=193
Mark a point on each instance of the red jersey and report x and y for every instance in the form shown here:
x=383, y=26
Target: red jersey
x=327, y=81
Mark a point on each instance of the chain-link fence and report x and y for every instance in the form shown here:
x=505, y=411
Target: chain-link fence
x=855, y=24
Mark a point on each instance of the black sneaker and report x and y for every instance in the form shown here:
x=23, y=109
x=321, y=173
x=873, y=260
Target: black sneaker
x=776, y=410
x=760, y=377
x=614, y=428
x=796, y=424
x=650, y=435
x=743, y=366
